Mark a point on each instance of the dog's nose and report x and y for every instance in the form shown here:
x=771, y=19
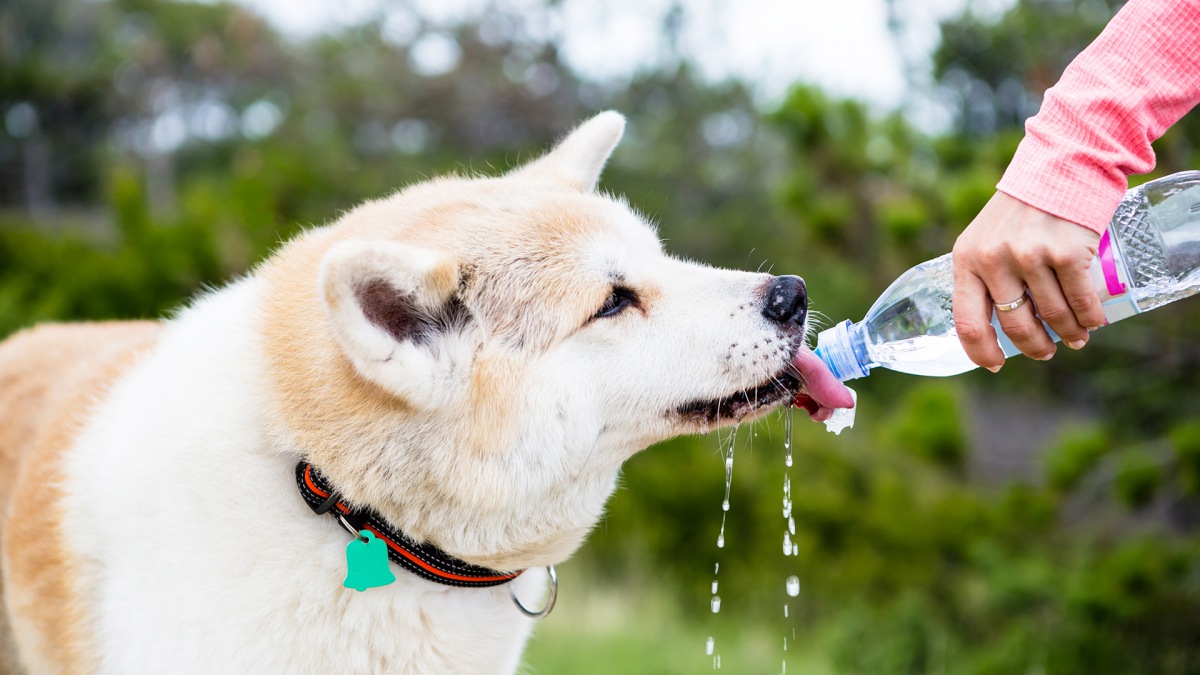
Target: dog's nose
x=787, y=301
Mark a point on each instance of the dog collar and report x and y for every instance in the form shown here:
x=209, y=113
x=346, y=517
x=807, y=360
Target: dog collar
x=424, y=560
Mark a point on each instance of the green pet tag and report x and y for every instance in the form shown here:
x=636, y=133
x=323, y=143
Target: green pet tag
x=367, y=563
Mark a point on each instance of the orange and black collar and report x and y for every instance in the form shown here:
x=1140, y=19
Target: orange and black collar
x=424, y=560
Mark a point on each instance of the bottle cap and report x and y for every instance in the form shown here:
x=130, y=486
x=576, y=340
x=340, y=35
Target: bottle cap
x=836, y=348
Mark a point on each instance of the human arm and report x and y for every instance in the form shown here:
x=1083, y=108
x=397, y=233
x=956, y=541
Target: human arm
x=1095, y=128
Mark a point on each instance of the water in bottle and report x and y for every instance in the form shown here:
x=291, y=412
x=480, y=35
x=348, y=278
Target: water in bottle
x=1149, y=256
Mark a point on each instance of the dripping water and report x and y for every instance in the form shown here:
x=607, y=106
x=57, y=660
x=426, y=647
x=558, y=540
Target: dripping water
x=793, y=585
x=787, y=438
x=789, y=547
x=729, y=468
x=715, y=602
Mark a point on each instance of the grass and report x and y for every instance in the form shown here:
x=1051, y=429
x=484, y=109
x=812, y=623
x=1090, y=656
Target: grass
x=629, y=629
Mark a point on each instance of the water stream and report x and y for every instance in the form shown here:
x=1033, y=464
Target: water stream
x=792, y=583
x=715, y=601
x=790, y=548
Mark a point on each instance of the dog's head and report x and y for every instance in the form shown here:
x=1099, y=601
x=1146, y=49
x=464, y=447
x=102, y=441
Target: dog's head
x=475, y=357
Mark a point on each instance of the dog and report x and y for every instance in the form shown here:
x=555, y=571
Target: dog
x=457, y=371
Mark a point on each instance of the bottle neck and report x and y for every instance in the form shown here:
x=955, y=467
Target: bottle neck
x=844, y=350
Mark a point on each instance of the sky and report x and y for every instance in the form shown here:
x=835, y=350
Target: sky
x=841, y=45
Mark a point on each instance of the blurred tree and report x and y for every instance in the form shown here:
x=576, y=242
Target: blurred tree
x=996, y=71
x=53, y=99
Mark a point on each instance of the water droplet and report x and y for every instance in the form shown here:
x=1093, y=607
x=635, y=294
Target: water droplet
x=721, y=540
x=785, y=645
x=716, y=604
x=714, y=587
x=785, y=610
x=708, y=645
x=791, y=524
x=787, y=544
x=717, y=568
x=729, y=471
x=725, y=505
x=785, y=667
x=787, y=459
x=793, y=585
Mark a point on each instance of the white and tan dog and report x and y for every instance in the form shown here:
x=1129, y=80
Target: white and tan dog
x=471, y=358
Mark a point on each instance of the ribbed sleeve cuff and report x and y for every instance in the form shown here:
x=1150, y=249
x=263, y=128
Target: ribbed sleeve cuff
x=1064, y=183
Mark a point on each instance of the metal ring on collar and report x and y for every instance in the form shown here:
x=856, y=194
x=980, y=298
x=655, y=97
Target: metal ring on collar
x=1010, y=306
x=549, y=600
x=350, y=528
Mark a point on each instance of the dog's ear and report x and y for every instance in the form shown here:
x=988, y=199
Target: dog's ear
x=395, y=314
x=578, y=159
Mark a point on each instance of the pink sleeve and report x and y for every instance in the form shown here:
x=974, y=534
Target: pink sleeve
x=1095, y=126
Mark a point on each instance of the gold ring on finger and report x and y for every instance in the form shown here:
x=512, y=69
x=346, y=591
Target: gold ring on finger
x=1010, y=306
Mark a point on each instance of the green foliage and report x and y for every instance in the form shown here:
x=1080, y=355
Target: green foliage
x=928, y=426
x=967, y=193
x=1138, y=478
x=1078, y=450
x=903, y=217
x=1185, y=439
x=998, y=70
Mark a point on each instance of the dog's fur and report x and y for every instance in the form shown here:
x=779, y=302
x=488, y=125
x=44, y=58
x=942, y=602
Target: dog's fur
x=437, y=354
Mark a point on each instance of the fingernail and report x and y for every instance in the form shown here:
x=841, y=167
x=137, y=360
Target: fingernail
x=994, y=369
x=1077, y=344
x=1047, y=357
x=1091, y=329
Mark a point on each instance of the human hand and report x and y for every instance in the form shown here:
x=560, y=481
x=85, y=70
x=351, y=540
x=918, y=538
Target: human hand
x=1011, y=247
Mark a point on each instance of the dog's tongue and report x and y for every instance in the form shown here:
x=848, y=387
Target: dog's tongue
x=824, y=392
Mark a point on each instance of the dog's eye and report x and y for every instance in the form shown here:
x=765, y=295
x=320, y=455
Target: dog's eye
x=616, y=303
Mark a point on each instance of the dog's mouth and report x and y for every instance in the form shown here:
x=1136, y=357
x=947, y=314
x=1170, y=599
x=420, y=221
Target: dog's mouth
x=782, y=387
x=805, y=383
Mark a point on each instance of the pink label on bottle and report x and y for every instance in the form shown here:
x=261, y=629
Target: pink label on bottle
x=1112, y=280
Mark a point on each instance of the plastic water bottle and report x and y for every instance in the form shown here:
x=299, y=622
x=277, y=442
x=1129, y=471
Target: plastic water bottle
x=1148, y=257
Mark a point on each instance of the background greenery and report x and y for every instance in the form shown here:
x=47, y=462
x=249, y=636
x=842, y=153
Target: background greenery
x=1042, y=520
